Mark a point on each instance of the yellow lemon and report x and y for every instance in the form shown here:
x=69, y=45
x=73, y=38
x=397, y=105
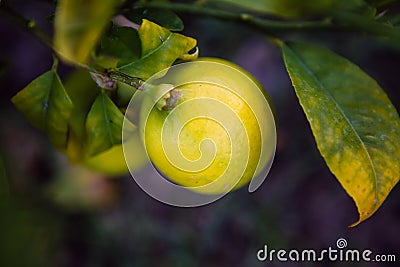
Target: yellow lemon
x=216, y=130
x=110, y=162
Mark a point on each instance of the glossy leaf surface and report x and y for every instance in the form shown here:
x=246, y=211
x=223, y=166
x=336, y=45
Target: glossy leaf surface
x=46, y=104
x=160, y=48
x=122, y=44
x=83, y=92
x=103, y=125
x=164, y=18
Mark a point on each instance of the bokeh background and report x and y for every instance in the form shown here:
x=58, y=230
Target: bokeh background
x=54, y=214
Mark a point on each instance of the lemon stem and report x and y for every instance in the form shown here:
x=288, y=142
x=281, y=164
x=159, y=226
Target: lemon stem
x=135, y=82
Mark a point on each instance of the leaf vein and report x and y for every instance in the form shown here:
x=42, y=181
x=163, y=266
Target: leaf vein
x=341, y=111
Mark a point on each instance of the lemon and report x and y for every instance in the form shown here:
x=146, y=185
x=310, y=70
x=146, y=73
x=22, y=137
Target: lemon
x=110, y=162
x=220, y=132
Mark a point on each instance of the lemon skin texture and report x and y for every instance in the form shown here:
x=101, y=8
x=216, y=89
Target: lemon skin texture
x=211, y=141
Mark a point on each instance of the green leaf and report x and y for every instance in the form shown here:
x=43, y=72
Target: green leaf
x=164, y=18
x=356, y=127
x=82, y=91
x=103, y=125
x=357, y=6
x=46, y=104
x=121, y=43
x=160, y=48
x=79, y=25
x=88, y=125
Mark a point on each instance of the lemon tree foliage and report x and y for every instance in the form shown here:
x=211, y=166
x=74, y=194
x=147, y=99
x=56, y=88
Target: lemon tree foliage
x=82, y=120
x=160, y=48
x=103, y=125
x=79, y=25
x=164, y=18
x=83, y=148
x=120, y=46
x=356, y=127
x=83, y=92
x=46, y=104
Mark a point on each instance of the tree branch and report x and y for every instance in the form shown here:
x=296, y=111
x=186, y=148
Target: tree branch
x=337, y=20
x=264, y=25
x=31, y=27
x=28, y=25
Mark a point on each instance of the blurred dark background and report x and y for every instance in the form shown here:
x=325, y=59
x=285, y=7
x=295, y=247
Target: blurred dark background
x=111, y=222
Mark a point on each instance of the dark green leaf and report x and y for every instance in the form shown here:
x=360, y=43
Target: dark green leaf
x=122, y=44
x=356, y=127
x=135, y=15
x=160, y=48
x=164, y=18
x=357, y=6
x=103, y=125
x=47, y=106
x=79, y=25
x=82, y=91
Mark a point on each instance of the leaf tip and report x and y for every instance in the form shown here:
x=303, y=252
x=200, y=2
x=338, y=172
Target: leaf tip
x=364, y=213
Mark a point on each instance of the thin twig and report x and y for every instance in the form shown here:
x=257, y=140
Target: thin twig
x=28, y=25
x=31, y=27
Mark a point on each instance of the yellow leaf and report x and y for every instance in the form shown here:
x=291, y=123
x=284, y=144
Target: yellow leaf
x=356, y=127
x=79, y=25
